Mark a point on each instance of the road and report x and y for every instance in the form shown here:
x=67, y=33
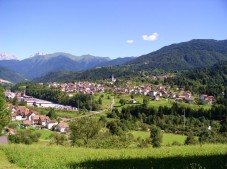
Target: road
x=86, y=115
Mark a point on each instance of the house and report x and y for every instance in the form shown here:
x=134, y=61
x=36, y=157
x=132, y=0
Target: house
x=179, y=100
x=9, y=95
x=164, y=94
x=133, y=101
x=37, y=102
x=172, y=95
x=181, y=97
x=152, y=93
x=19, y=113
x=190, y=100
x=10, y=131
x=39, y=120
x=62, y=127
x=207, y=99
x=187, y=94
x=156, y=98
x=27, y=122
x=50, y=124
x=203, y=97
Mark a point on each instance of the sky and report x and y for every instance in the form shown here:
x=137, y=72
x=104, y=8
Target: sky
x=107, y=28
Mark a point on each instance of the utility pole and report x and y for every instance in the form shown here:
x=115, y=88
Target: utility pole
x=78, y=105
x=184, y=119
x=91, y=104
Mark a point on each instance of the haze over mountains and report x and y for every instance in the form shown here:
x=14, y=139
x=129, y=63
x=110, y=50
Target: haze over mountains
x=7, y=56
x=193, y=54
x=41, y=64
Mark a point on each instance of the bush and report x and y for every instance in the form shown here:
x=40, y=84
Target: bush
x=156, y=136
x=25, y=137
x=176, y=143
x=190, y=140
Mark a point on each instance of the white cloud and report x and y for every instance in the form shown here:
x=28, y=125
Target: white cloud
x=151, y=37
x=130, y=41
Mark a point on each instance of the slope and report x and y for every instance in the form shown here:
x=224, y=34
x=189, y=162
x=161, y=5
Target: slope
x=10, y=75
x=194, y=54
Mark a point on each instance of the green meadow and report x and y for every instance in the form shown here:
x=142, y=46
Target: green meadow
x=168, y=138
x=39, y=156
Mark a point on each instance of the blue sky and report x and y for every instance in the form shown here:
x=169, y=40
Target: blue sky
x=108, y=28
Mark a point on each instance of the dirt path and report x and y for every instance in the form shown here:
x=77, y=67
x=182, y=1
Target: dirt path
x=86, y=115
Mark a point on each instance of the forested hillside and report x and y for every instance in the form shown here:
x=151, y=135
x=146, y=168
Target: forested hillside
x=182, y=56
x=10, y=75
x=195, y=54
x=211, y=80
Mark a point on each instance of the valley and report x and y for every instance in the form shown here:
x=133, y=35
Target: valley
x=127, y=114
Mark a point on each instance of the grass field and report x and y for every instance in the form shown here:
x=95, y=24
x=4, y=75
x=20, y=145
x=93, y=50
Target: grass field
x=59, y=157
x=168, y=138
x=45, y=134
x=4, y=163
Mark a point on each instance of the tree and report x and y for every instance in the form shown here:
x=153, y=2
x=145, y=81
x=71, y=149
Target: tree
x=122, y=102
x=25, y=137
x=58, y=139
x=84, y=128
x=156, y=136
x=114, y=128
x=52, y=115
x=190, y=140
x=145, y=101
x=205, y=136
x=100, y=100
x=132, y=95
x=103, y=121
x=4, y=112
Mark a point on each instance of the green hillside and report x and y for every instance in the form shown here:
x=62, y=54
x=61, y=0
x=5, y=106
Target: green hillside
x=195, y=54
x=10, y=75
x=211, y=80
x=182, y=56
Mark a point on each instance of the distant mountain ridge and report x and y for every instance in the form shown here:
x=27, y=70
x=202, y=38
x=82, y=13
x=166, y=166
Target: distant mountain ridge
x=41, y=64
x=194, y=54
x=198, y=53
x=10, y=76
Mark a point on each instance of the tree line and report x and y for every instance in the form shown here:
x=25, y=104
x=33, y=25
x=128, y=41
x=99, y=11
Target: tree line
x=79, y=100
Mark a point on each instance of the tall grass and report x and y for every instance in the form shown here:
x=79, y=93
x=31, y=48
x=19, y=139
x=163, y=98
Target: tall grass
x=59, y=157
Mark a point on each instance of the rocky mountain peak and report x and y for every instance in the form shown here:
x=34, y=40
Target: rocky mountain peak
x=7, y=56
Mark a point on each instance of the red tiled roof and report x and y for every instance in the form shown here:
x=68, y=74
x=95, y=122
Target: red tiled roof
x=42, y=117
x=63, y=125
x=27, y=122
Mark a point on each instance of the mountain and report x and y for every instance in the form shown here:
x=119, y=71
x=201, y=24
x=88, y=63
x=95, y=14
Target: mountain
x=117, y=61
x=7, y=56
x=194, y=54
x=100, y=73
x=212, y=80
x=10, y=75
x=40, y=65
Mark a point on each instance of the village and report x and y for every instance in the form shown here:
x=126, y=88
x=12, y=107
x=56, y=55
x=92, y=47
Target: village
x=155, y=92
x=29, y=117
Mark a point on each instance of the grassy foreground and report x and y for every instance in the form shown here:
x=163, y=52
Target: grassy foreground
x=59, y=157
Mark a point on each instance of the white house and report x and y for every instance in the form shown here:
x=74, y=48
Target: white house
x=152, y=93
x=63, y=127
x=50, y=124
